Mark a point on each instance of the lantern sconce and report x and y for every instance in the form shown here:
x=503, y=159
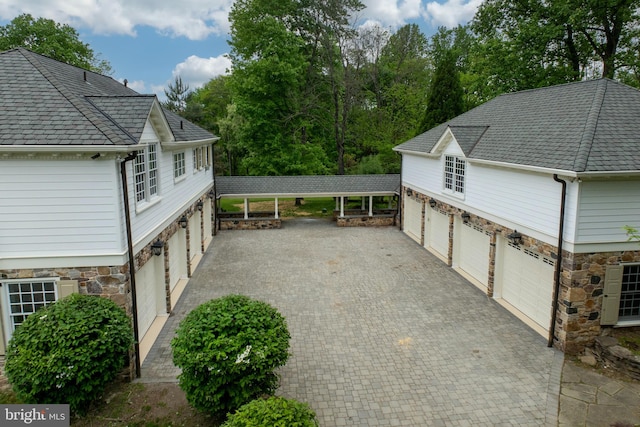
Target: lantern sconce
x=433, y=203
x=515, y=238
x=466, y=216
x=156, y=247
x=199, y=205
x=183, y=221
x=211, y=194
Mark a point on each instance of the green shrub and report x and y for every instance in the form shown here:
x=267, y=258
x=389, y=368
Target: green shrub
x=67, y=352
x=273, y=412
x=228, y=349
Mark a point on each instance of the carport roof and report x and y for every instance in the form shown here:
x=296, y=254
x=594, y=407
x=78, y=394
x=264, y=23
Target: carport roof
x=307, y=185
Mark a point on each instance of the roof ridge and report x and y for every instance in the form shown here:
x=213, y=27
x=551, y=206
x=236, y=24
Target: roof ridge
x=73, y=99
x=588, y=135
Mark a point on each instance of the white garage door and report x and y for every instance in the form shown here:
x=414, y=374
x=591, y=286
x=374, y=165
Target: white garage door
x=195, y=243
x=527, y=283
x=473, y=252
x=150, y=293
x=413, y=218
x=177, y=257
x=208, y=226
x=438, y=232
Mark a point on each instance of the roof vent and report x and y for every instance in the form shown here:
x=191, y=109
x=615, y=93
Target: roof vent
x=85, y=76
x=181, y=125
x=125, y=82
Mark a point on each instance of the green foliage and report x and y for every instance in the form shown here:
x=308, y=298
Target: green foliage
x=176, y=96
x=57, y=41
x=632, y=232
x=228, y=349
x=273, y=412
x=445, y=95
x=67, y=352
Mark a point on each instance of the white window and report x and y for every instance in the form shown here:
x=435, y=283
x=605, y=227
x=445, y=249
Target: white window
x=208, y=161
x=454, y=172
x=145, y=172
x=25, y=297
x=198, y=159
x=178, y=165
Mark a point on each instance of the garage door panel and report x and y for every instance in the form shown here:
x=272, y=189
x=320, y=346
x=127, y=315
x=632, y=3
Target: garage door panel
x=439, y=232
x=149, y=290
x=177, y=258
x=413, y=218
x=474, y=252
x=527, y=283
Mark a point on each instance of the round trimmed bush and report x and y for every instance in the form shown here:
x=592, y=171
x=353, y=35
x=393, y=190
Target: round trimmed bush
x=68, y=351
x=273, y=412
x=228, y=349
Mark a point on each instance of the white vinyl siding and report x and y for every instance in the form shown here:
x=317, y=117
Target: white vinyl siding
x=59, y=207
x=605, y=207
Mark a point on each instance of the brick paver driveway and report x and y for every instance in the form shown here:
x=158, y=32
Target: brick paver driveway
x=383, y=333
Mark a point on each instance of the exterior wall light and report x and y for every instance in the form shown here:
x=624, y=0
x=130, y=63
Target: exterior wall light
x=211, y=194
x=515, y=237
x=183, y=221
x=156, y=247
x=199, y=205
x=466, y=216
x=433, y=203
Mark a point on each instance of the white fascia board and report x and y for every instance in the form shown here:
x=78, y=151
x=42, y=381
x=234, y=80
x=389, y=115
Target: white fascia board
x=62, y=261
x=68, y=148
x=156, y=115
x=417, y=153
x=177, y=145
x=529, y=168
x=443, y=142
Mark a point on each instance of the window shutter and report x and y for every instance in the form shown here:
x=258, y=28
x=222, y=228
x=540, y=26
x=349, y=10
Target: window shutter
x=611, y=295
x=67, y=287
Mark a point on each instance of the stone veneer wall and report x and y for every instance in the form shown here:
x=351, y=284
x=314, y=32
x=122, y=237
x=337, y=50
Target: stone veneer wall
x=249, y=224
x=365, y=221
x=580, y=302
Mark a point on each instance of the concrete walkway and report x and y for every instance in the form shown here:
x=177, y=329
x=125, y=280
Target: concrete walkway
x=590, y=399
x=383, y=333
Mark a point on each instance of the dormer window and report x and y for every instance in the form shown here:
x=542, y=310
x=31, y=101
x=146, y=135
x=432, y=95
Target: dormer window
x=454, y=171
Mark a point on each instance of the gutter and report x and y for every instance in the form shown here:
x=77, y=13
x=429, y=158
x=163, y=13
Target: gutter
x=132, y=273
x=558, y=272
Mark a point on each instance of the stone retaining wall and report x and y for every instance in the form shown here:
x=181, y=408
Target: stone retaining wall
x=611, y=355
x=250, y=224
x=366, y=221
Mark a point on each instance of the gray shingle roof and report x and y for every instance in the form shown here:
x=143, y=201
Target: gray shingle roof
x=589, y=126
x=307, y=185
x=46, y=102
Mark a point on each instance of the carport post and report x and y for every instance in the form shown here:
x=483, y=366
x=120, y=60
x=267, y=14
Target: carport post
x=370, y=205
x=276, y=206
x=246, y=208
x=341, y=206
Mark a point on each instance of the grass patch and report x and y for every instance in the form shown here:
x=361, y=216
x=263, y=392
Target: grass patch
x=8, y=397
x=632, y=343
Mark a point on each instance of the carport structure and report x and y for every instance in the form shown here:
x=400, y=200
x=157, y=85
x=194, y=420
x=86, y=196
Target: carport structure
x=339, y=187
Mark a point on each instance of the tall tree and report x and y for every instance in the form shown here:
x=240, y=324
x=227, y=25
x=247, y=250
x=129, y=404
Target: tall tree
x=177, y=95
x=57, y=41
x=445, y=94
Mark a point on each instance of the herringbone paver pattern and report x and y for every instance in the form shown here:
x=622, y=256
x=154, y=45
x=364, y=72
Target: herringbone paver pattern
x=383, y=333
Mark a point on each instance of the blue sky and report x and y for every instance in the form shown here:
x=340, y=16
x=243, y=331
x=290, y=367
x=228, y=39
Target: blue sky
x=150, y=42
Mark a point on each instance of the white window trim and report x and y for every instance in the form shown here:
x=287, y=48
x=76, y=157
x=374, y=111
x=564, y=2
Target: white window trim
x=455, y=175
x=149, y=199
x=6, y=304
x=183, y=168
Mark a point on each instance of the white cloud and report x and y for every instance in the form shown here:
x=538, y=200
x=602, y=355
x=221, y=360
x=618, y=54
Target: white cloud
x=451, y=13
x=196, y=71
x=194, y=19
x=138, y=86
x=393, y=13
